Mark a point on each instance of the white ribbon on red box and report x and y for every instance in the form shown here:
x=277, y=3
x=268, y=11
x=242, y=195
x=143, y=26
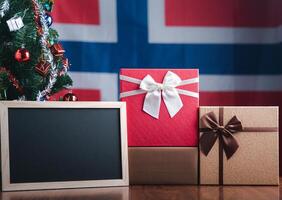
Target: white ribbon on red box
x=156, y=91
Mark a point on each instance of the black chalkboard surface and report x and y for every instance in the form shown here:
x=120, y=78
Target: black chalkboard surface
x=64, y=145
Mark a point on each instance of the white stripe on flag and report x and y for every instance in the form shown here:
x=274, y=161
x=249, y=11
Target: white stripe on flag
x=240, y=83
x=107, y=83
x=159, y=33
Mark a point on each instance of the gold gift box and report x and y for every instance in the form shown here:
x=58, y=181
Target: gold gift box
x=163, y=165
x=255, y=161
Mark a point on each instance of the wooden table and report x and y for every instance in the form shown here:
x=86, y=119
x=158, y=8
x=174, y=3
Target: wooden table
x=153, y=193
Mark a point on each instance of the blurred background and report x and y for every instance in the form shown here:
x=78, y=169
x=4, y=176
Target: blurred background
x=236, y=44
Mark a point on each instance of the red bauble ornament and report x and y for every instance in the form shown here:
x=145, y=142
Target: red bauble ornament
x=22, y=55
x=43, y=68
x=70, y=97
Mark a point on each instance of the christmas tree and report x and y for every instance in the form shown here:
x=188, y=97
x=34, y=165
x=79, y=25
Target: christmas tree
x=32, y=62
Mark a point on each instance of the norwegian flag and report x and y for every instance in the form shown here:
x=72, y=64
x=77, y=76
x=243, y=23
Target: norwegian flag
x=236, y=44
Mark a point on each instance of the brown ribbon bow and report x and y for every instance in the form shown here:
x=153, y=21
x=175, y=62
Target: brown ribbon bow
x=212, y=130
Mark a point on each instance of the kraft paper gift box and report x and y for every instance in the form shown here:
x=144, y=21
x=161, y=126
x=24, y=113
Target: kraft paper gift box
x=163, y=165
x=239, y=146
x=162, y=106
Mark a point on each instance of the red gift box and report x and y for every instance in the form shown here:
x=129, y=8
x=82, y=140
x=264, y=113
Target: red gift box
x=178, y=128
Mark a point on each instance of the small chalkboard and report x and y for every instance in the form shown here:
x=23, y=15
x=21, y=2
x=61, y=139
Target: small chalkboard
x=51, y=145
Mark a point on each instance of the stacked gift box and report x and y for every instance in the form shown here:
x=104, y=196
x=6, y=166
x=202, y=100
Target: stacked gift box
x=162, y=128
x=174, y=141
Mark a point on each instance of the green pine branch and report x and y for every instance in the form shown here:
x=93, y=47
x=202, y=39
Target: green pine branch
x=27, y=37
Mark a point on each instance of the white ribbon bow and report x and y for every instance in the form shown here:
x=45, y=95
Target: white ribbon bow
x=167, y=90
x=156, y=91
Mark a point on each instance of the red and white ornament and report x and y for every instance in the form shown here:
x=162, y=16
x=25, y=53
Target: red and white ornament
x=43, y=68
x=57, y=50
x=70, y=97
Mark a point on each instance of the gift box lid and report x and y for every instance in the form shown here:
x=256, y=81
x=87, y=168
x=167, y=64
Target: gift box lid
x=145, y=130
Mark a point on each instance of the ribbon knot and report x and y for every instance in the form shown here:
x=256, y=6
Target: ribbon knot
x=212, y=131
x=220, y=128
x=166, y=90
x=160, y=86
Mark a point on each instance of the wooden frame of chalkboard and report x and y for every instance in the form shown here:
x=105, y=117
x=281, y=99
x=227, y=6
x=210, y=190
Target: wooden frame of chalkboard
x=13, y=144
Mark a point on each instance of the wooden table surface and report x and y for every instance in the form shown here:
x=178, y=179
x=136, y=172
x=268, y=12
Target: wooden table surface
x=153, y=193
